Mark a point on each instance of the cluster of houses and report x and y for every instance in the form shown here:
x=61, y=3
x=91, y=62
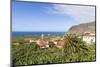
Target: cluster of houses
x=89, y=37
x=43, y=42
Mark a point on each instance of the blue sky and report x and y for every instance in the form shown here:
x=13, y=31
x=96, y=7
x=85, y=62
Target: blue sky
x=27, y=16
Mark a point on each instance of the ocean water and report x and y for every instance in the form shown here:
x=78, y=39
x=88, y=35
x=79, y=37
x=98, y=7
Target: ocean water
x=35, y=33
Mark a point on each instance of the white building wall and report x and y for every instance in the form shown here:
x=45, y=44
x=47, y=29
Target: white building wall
x=88, y=39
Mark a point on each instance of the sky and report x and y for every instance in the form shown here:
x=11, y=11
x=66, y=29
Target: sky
x=33, y=16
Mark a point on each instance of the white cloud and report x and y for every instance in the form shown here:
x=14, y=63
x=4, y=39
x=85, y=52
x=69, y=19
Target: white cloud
x=82, y=14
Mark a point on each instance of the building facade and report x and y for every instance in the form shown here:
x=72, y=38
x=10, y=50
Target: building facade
x=89, y=37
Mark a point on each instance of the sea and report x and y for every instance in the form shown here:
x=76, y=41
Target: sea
x=36, y=33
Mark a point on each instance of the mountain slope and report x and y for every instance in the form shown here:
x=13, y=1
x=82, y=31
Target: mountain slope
x=81, y=28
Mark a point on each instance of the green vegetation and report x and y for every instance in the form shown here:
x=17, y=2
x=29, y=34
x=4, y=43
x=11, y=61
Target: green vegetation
x=75, y=50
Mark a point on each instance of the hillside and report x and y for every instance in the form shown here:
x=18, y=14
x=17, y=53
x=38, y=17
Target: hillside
x=81, y=28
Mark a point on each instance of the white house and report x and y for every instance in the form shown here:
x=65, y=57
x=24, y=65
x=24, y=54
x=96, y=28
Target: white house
x=89, y=37
x=30, y=40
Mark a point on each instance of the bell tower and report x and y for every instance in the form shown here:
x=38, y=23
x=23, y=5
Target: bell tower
x=42, y=36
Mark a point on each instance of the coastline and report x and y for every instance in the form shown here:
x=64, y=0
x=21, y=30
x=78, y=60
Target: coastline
x=14, y=34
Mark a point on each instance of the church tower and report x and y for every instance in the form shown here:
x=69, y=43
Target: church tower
x=42, y=36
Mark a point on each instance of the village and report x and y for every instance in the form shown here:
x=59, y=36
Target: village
x=43, y=42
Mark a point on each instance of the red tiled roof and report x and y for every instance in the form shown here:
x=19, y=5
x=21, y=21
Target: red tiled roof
x=89, y=34
x=42, y=42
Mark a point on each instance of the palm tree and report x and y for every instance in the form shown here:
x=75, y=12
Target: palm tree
x=74, y=46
